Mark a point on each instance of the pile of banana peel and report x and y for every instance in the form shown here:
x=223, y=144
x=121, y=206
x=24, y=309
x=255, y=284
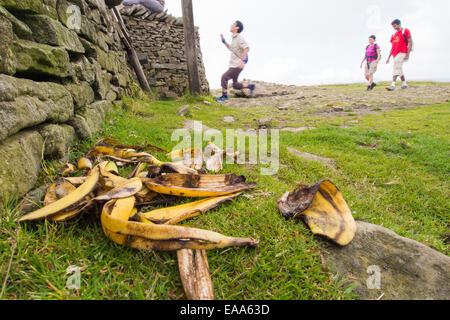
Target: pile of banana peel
x=116, y=199
x=119, y=201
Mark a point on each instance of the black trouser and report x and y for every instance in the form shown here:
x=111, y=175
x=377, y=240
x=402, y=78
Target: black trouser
x=232, y=73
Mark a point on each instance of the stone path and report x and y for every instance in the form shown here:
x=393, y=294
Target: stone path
x=287, y=104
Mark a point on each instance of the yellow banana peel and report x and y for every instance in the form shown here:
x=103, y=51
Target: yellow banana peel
x=323, y=208
x=70, y=200
x=197, y=186
x=192, y=238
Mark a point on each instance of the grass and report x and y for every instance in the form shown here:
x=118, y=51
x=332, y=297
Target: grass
x=409, y=147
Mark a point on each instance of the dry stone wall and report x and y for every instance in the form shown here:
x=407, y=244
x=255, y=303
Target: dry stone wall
x=62, y=66
x=159, y=42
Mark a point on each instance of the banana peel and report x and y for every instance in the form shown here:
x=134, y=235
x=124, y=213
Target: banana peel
x=84, y=163
x=154, y=230
x=58, y=190
x=67, y=170
x=118, y=144
x=195, y=275
x=131, y=156
x=197, y=186
x=192, y=158
x=172, y=237
x=128, y=189
x=110, y=180
x=180, y=154
x=139, y=168
x=124, y=155
x=76, y=181
x=112, y=167
x=145, y=195
x=68, y=202
x=123, y=208
x=173, y=215
x=323, y=208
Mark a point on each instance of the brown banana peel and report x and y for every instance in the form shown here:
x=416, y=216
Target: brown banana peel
x=323, y=208
x=197, y=186
x=194, y=273
x=191, y=237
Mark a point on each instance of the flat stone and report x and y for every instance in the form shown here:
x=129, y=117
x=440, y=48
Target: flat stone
x=89, y=119
x=108, y=61
x=8, y=60
x=299, y=129
x=41, y=59
x=33, y=199
x=169, y=66
x=85, y=70
x=58, y=139
x=20, y=162
x=88, y=30
x=229, y=119
x=50, y=31
x=408, y=270
x=47, y=7
x=25, y=103
x=82, y=93
x=19, y=28
x=111, y=95
x=182, y=111
x=102, y=83
x=312, y=157
x=264, y=122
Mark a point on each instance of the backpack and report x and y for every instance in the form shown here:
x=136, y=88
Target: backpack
x=374, y=56
x=406, y=39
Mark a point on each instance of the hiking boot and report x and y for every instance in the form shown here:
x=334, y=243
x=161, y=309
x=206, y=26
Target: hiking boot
x=369, y=88
x=405, y=87
x=390, y=88
x=373, y=85
x=222, y=98
x=252, y=89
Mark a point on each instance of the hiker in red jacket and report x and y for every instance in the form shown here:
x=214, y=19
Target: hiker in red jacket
x=401, y=48
x=372, y=57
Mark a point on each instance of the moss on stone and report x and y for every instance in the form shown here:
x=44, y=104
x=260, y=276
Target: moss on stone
x=20, y=158
x=41, y=59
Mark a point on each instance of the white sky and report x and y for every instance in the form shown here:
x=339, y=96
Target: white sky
x=322, y=41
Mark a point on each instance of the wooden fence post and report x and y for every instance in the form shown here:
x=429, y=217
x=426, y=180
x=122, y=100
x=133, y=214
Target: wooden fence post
x=190, y=47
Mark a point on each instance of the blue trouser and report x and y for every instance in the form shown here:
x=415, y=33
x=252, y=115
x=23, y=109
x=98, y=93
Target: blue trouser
x=152, y=5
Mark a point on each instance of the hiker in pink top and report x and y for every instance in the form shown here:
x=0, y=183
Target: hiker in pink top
x=372, y=57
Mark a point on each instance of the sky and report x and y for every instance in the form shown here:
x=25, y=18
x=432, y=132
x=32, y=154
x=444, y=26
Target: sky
x=317, y=42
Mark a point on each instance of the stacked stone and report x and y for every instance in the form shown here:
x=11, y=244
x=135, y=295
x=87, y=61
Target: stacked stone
x=159, y=42
x=62, y=65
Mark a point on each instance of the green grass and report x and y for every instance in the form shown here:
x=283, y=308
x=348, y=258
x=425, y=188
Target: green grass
x=409, y=146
